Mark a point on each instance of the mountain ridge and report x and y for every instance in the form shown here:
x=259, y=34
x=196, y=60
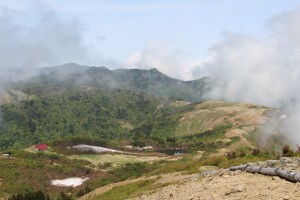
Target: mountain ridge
x=150, y=81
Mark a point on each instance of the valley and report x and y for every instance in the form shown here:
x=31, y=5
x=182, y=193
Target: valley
x=105, y=137
x=149, y=100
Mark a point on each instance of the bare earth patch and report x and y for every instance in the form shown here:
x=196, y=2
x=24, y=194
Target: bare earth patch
x=180, y=103
x=229, y=185
x=126, y=125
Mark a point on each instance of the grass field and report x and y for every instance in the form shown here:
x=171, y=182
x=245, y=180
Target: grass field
x=115, y=160
x=210, y=114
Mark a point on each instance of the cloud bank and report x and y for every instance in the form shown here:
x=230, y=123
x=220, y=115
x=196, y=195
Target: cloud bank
x=263, y=70
x=166, y=57
x=36, y=36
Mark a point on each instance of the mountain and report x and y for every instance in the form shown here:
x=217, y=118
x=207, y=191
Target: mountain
x=51, y=113
x=116, y=114
x=148, y=81
x=204, y=132
x=125, y=110
x=123, y=104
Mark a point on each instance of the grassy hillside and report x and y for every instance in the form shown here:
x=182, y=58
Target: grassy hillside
x=203, y=132
x=203, y=125
x=123, y=110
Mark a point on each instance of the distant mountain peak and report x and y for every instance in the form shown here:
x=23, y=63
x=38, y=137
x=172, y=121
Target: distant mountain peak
x=70, y=65
x=150, y=81
x=154, y=70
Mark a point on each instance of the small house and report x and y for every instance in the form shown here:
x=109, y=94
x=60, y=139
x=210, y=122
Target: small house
x=41, y=147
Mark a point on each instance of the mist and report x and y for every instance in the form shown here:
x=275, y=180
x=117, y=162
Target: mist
x=32, y=36
x=36, y=36
x=166, y=57
x=261, y=70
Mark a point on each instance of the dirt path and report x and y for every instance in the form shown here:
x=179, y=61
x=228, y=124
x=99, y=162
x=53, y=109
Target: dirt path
x=229, y=185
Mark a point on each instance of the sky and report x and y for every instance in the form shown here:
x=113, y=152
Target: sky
x=173, y=36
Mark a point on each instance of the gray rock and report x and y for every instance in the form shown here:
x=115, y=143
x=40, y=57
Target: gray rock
x=272, y=163
x=285, y=160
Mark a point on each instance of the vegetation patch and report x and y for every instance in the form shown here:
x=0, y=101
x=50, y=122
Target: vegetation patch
x=38, y=169
x=207, y=141
x=115, y=160
x=131, y=190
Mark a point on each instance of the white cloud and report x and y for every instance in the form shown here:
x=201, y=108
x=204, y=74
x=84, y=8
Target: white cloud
x=166, y=58
x=262, y=70
x=34, y=35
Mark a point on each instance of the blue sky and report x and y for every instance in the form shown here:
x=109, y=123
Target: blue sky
x=123, y=27
x=117, y=33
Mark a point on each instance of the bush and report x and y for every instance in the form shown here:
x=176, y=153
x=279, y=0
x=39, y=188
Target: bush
x=255, y=152
x=231, y=155
x=30, y=196
x=287, y=152
x=215, y=160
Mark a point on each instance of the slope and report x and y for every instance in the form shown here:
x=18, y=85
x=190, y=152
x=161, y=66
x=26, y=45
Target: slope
x=11, y=96
x=208, y=125
x=106, y=113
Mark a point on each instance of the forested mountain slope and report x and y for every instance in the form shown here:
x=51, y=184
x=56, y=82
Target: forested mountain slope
x=148, y=81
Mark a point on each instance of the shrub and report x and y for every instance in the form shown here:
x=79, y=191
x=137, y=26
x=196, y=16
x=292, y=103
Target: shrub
x=287, y=152
x=242, y=154
x=214, y=160
x=231, y=155
x=255, y=152
x=30, y=195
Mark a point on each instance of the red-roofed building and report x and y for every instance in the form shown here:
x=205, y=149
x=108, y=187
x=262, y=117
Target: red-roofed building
x=41, y=147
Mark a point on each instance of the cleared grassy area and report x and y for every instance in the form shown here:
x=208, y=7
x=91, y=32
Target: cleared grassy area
x=223, y=162
x=210, y=114
x=126, y=191
x=133, y=190
x=199, y=121
x=115, y=160
x=187, y=165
